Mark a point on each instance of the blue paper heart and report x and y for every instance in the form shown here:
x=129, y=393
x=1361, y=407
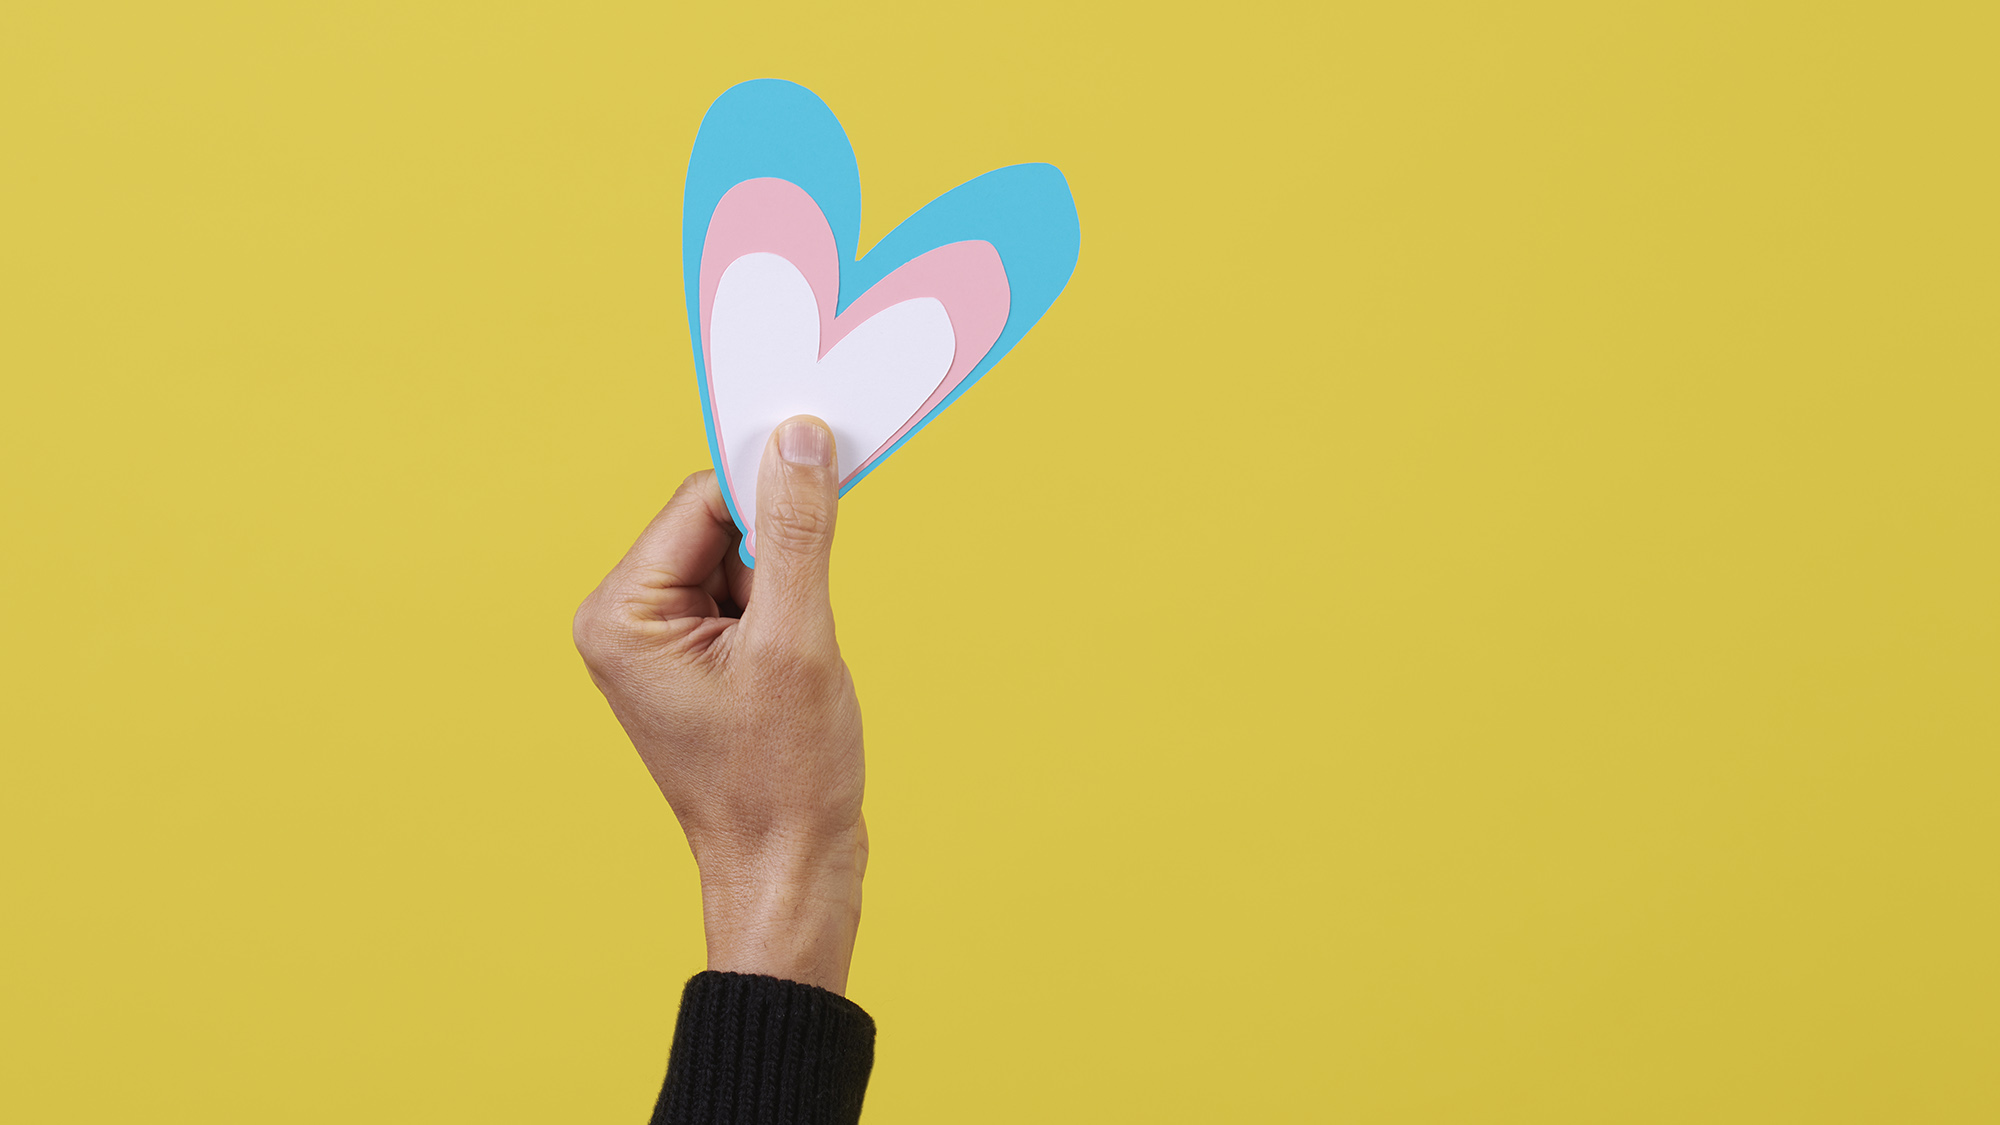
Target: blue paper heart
x=770, y=127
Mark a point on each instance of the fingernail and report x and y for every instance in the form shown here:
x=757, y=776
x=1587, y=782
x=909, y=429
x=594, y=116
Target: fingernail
x=803, y=443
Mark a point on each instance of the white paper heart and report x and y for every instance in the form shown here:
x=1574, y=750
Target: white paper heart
x=765, y=366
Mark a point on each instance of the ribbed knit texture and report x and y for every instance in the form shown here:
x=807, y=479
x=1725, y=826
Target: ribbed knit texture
x=751, y=1049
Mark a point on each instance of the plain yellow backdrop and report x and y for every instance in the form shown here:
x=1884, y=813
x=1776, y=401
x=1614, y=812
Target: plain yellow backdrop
x=1478, y=603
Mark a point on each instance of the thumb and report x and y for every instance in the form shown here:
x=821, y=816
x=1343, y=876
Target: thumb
x=798, y=489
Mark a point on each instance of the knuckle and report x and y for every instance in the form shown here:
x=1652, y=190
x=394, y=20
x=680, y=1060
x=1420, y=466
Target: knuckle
x=595, y=631
x=584, y=626
x=796, y=524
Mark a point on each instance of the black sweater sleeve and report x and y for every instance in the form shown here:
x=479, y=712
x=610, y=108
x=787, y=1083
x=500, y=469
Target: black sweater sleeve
x=764, y=1050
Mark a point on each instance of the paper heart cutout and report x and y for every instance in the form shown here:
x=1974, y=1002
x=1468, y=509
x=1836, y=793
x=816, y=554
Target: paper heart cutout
x=1016, y=225
x=774, y=348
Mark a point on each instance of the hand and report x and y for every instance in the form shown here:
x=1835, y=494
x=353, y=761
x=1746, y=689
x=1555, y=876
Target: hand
x=749, y=725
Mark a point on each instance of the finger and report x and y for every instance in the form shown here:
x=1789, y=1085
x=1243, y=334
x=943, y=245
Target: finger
x=716, y=585
x=686, y=541
x=724, y=584
x=739, y=577
x=797, y=498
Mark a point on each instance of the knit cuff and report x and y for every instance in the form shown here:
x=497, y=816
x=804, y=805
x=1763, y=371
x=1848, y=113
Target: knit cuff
x=759, y=1049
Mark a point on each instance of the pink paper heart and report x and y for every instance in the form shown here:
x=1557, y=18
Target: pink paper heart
x=777, y=217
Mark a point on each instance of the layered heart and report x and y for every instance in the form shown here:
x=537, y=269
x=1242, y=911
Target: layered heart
x=786, y=315
x=773, y=346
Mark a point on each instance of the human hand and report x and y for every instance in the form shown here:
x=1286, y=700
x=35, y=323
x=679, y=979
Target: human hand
x=749, y=725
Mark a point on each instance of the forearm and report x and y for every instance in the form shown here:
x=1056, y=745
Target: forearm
x=788, y=913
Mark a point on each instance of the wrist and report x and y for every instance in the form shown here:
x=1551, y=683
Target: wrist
x=788, y=909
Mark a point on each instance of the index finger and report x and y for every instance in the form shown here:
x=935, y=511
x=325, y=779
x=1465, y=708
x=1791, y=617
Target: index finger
x=687, y=540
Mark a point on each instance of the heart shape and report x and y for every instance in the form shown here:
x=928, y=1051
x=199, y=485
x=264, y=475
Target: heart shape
x=786, y=321
x=773, y=348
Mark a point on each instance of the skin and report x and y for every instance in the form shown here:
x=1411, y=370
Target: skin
x=747, y=720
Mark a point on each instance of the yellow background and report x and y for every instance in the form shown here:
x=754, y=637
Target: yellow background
x=1478, y=604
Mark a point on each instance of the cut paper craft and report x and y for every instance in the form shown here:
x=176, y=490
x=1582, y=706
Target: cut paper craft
x=774, y=348
x=764, y=347
x=786, y=322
